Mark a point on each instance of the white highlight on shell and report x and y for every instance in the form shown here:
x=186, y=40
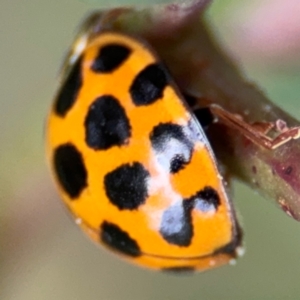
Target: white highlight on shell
x=212, y=262
x=240, y=251
x=78, y=221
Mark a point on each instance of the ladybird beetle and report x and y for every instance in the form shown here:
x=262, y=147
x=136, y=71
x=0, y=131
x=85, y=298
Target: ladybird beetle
x=132, y=163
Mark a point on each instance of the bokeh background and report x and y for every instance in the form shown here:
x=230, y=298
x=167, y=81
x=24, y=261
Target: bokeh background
x=43, y=255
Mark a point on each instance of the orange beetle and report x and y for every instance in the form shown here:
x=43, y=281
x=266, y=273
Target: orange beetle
x=132, y=162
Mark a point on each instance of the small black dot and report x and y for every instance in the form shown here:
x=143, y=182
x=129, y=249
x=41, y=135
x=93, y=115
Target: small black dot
x=117, y=239
x=173, y=146
x=182, y=270
x=106, y=124
x=110, y=57
x=176, y=225
x=288, y=170
x=126, y=186
x=177, y=163
x=69, y=91
x=206, y=199
x=148, y=86
x=70, y=170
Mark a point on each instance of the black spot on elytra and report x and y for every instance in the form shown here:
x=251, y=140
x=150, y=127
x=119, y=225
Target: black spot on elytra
x=106, y=124
x=148, y=86
x=69, y=90
x=204, y=116
x=110, y=57
x=172, y=145
x=126, y=186
x=176, y=225
x=70, y=170
x=117, y=239
x=206, y=199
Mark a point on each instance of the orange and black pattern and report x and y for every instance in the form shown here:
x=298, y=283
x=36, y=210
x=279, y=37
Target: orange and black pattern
x=132, y=163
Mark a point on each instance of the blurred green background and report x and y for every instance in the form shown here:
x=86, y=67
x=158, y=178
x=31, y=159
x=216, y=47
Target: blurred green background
x=43, y=254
